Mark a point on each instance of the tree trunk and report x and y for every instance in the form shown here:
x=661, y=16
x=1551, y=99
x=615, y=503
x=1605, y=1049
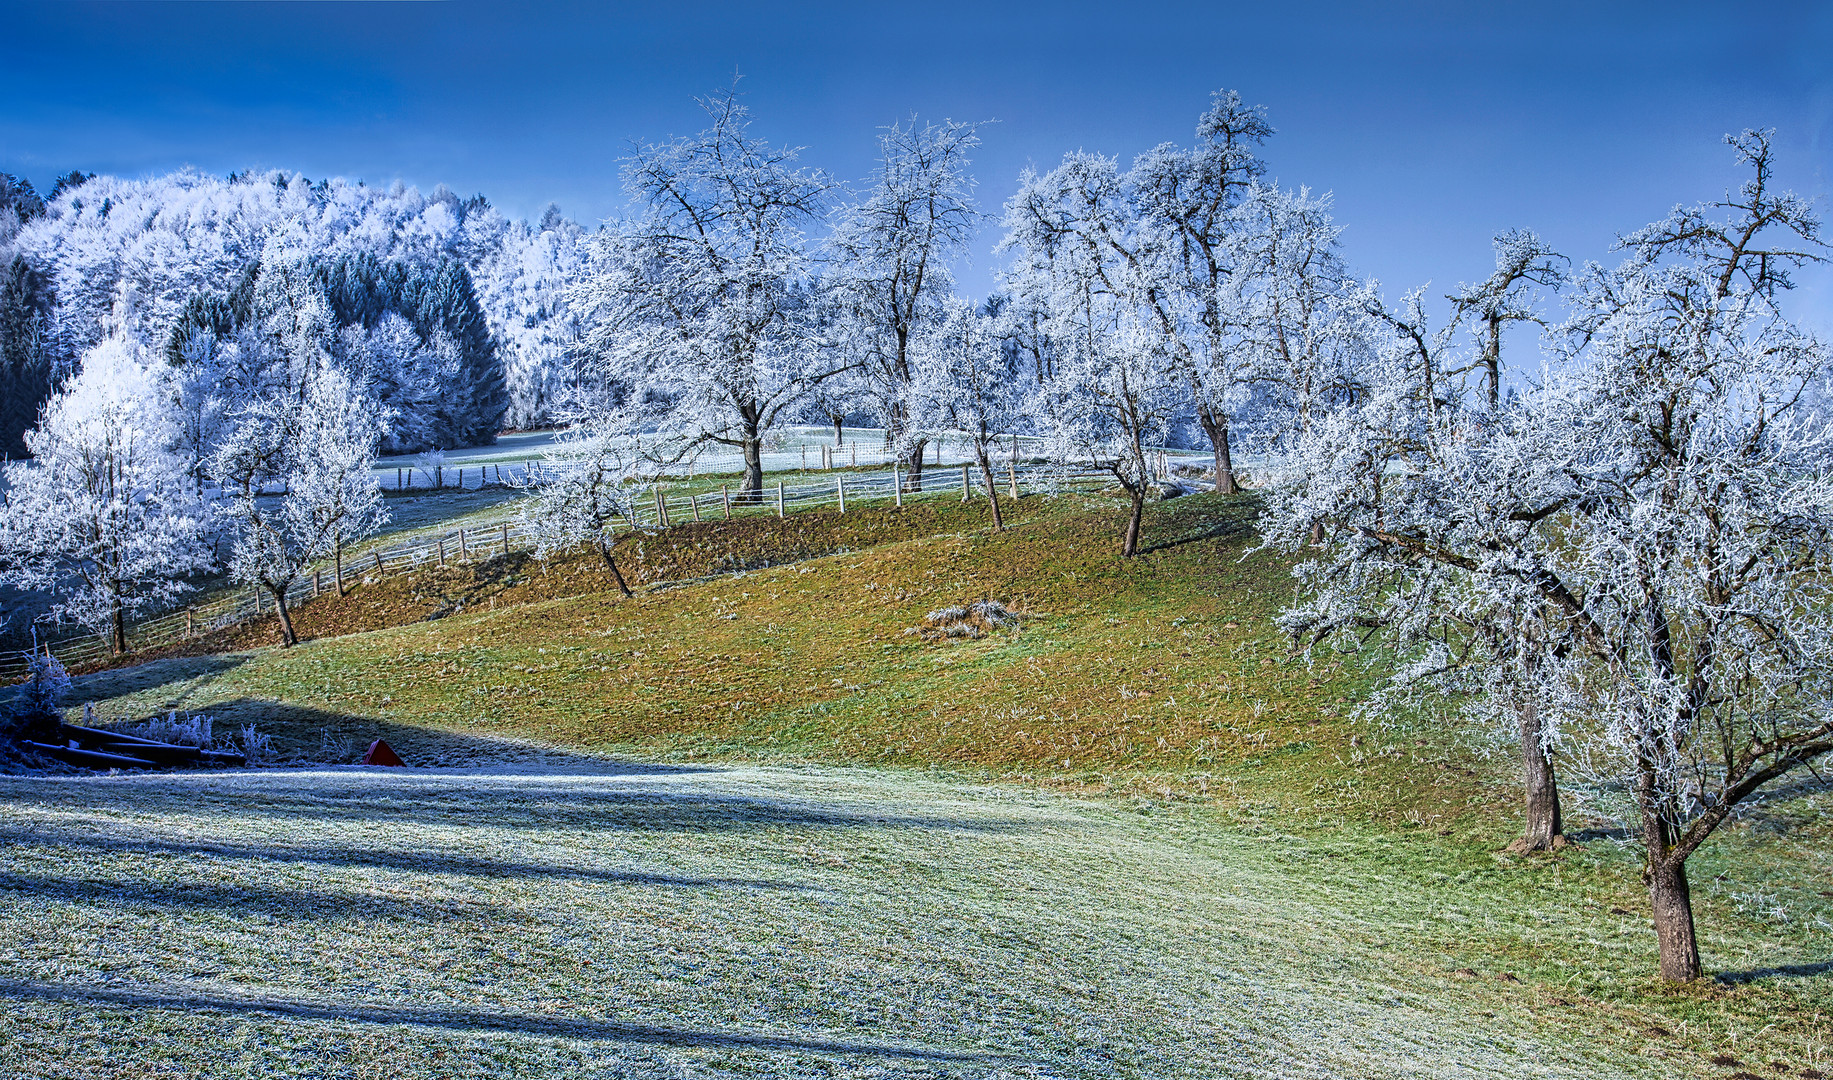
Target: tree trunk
x=1544, y=831
x=287, y=637
x=604, y=550
x=1672, y=904
x=117, y=627
x=1216, y=427
x=915, y=464
x=1129, y=547
x=837, y=418
x=753, y=490
x=986, y=474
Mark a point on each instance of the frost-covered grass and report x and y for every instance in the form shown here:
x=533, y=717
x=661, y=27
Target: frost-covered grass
x=1154, y=679
x=748, y=921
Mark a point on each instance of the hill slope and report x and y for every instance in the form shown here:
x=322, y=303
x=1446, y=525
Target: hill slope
x=1149, y=682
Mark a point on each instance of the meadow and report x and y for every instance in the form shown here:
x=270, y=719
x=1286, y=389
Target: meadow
x=754, y=821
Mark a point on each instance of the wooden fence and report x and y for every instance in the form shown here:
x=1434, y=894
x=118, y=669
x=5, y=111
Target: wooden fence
x=653, y=508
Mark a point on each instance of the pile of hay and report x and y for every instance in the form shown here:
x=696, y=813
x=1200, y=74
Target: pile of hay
x=976, y=620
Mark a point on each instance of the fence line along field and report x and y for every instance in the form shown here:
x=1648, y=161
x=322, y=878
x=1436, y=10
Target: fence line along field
x=658, y=508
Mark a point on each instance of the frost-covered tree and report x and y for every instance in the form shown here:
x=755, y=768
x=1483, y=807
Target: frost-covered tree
x=586, y=484
x=1294, y=329
x=333, y=482
x=1116, y=387
x=105, y=516
x=1187, y=203
x=167, y=258
x=890, y=256
x=966, y=383
x=1507, y=296
x=27, y=365
x=1656, y=512
x=320, y=449
x=698, y=304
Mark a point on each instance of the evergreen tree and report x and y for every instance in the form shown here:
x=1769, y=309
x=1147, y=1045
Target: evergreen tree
x=26, y=304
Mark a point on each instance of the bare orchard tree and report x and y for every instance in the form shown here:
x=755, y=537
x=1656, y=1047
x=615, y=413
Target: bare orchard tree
x=1186, y=204
x=585, y=487
x=1295, y=329
x=1507, y=296
x=105, y=515
x=699, y=305
x=967, y=384
x=890, y=254
x=317, y=449
x=1657, y=513
x=1115, y=386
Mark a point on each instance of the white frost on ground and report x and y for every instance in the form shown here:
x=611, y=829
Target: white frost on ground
x=630, y=921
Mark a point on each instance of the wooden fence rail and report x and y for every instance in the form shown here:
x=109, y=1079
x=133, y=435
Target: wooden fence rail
x=654, y=511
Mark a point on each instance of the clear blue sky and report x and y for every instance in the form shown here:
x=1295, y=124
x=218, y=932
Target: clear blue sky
x=1435, y=125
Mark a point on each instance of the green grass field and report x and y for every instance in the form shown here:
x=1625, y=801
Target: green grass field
x=1132, y=836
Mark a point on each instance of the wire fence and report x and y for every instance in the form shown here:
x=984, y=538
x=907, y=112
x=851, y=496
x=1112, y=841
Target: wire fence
x=951, y=449
x=654, y=507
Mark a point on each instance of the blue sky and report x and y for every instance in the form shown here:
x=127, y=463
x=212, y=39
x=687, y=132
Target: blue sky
x=1435, y=125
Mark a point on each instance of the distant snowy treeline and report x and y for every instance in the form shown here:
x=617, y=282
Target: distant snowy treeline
x=448, y=313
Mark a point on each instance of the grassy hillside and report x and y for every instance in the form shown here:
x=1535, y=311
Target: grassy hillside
x=1156, y=685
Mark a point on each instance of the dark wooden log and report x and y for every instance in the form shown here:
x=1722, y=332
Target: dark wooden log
x=163, y=753
x=93, y=759
x=88, y=735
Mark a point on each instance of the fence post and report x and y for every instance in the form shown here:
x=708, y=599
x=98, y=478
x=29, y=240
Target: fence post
x=805, y=459
x=964, y=483
x=725, y=495
x=854, y=445
x=840, y=489
x=661, y=508
x=377, y=552
x=779, y=498
x=897, y=487
x=694, y=500
x=1012, y=469
x=464, y=549
x=314, y=584
x=505, y=539
x=190, y=621
x=442, y=551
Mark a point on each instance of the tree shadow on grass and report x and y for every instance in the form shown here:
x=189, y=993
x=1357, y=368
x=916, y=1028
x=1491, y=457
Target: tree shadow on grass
x=576, y=803
x=1782, y=971
x=1233, y=520
x=331, y=905
x=119, y=682
x=474, y=1020
x=303, y=736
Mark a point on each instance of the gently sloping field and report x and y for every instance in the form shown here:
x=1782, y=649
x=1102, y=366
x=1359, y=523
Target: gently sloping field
x=1148, y=681
x=594, y=921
